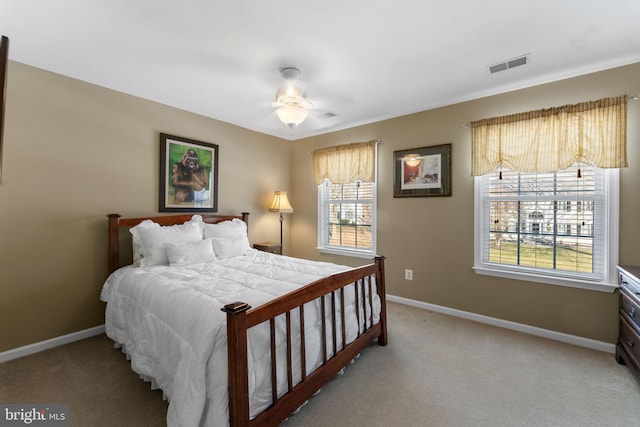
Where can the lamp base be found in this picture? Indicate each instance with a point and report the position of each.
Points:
(281, 220)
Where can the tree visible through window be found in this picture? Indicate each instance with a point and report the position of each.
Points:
(530, 222)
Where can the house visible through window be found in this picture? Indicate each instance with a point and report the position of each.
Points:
(528, 223)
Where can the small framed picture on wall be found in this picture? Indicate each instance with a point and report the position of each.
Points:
(422, 172)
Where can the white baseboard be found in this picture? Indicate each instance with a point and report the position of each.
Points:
(519, 327)
(50, 343)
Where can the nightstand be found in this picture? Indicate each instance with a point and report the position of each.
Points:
(271, 247)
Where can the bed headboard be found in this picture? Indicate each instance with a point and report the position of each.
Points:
(116, 223)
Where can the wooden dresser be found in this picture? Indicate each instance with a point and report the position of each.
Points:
(628, 346)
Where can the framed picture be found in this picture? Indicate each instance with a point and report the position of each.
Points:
(422, 172)
(4, 64)
(188, 175)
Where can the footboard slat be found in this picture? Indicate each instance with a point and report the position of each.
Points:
(303, 353)
(364, 304)
(324, 330)
(334, 327)
(357, 300)
(274, 361)
(289, 364)
(342, 319)
(370, 302)
(363, 280)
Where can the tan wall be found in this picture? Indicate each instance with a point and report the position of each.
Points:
(75, 152)
(434, 236)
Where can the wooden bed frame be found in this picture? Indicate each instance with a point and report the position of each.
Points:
(241, 317)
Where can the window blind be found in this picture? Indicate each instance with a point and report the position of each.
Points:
(546, 222)
(349, 215)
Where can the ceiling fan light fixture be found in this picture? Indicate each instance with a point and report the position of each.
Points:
(291, 95)
(291, 115)
(291, 100)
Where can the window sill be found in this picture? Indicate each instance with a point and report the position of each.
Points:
(346, 252)
(540, 278)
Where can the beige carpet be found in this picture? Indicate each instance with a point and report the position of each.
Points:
(436, 371)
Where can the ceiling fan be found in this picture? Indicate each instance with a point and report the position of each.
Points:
(291, 99)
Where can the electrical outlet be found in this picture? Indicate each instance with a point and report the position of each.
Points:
(408, 274)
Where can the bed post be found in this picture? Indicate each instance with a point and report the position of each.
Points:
(238, 365)
(114, 243)
(245, 218)
(382, 293)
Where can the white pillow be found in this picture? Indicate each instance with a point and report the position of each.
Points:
(234, 230)
(137, 245)
(229, 238)
(181, 254)
(226, 247)
(231, 228)
(138, 250)
(154, 241)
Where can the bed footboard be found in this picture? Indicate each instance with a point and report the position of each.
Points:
(240, 318)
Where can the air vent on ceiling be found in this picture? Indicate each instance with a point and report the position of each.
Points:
(509, 63)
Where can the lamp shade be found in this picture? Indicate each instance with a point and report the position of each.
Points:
(292, 115)
(280, 203)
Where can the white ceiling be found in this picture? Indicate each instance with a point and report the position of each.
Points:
(363, 60)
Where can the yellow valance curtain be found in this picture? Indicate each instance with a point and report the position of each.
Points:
(343, 164)
(593, 132)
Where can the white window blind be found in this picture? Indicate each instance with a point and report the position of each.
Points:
(553, 225)
(347, 217)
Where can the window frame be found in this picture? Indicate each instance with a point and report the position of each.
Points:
(323, 245)
(607, 283)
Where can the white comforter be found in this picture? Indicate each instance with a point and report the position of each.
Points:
(168, 321)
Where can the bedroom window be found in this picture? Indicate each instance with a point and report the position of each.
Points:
(546, 193)
(346, 218)
(345, 178)
(525, 229)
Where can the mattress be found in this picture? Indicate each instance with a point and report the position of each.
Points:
(169, 323)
